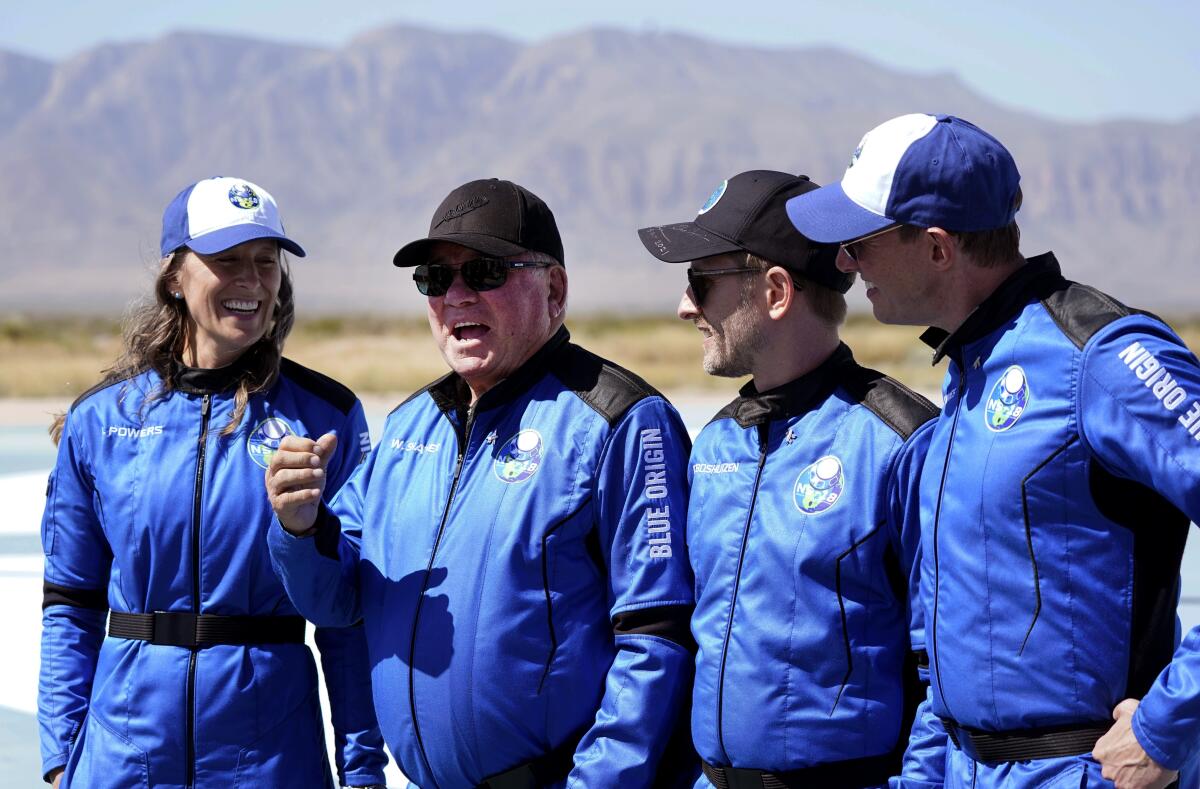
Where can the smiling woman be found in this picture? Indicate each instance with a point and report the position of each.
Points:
(155, 507)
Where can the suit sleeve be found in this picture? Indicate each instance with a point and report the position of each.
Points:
(320, 570)
(1139, 412)
(924, 763)
(75, 600)
(641, 519)
(358, 744)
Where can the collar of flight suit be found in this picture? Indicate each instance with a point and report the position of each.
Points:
(797, 396)
(453, 396)
(1039, 277)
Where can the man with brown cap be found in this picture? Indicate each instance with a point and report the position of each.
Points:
(514, 544)
(802, 527)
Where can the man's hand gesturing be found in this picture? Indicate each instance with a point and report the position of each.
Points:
(296, 480)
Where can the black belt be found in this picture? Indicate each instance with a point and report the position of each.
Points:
(995, 747)
(179, 629)
(547, 769)
(847, 774)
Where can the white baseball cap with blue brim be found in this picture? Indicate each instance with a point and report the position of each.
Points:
(921, 170)
(215, 214)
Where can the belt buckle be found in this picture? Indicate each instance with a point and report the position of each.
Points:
(177, 628)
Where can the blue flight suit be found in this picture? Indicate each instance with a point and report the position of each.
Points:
(1056, 496)
(150, 509)
(520, 568)
(803, 534)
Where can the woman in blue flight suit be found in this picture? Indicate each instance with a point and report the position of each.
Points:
(155, 510)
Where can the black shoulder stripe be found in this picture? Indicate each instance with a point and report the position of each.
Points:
(436, 390)
(728, 411)
(899, 407)
(102, 385)
(321, 385)
(609, 389)
(56, 594)
(672, 622)
(1081, 311)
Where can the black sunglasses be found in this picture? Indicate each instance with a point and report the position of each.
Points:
(698, 281)
(852, 248)
(479, 274)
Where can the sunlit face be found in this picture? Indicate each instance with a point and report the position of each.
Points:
(485, 336)
(729, 320)
(230, 298)
(896, 275)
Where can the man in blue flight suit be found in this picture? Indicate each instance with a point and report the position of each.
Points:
(802, 521)
(515, 544)
(1060, 479)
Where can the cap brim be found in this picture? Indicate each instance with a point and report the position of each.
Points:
(684, 242)
(828, 216)
(223, 239)
(417, 252)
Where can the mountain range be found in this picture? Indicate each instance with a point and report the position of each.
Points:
(614, 129)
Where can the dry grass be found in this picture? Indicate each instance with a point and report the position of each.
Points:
(62, 356)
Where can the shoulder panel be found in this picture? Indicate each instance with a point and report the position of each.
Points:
(728, 411)
(1081, 311)
(437, 390)
(106, 383)
(897, 406)
(609, 389)
(318, 384)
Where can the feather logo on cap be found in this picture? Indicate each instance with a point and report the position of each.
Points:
(465, 207)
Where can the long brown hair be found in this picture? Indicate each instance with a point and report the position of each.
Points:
(154, 334)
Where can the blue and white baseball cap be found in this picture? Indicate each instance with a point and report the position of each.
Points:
(215, 214)
(922, 170)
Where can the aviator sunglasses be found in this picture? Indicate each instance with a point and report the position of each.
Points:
(853, 251)
(699, 282)
(479, 274)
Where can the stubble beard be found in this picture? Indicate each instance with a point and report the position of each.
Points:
(737, 347)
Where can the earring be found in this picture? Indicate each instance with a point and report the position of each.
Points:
(177, 295)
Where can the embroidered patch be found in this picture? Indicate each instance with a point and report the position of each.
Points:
(713, 198)
(264, 440)
(520, 457)
(1008, 400)
(819, 485)
(242, 196)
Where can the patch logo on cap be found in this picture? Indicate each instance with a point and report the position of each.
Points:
(1008, 400)
(857, 152)
(264, 440)
(242, 196)
(714, 197)
(819, 486)
(520, 457)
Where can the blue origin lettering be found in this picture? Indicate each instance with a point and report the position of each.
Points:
(1153, 375)
(658, 519)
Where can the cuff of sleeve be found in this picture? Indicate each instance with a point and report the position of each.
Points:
(52, 763)
(1146, 740)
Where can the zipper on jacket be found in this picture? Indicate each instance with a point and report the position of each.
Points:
(464, 439)
(937, 519)
(763, 435)
(197, 501)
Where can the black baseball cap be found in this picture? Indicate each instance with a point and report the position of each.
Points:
(747, 213)
(490, 216)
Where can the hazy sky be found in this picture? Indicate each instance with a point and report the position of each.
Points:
(1062, 58)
